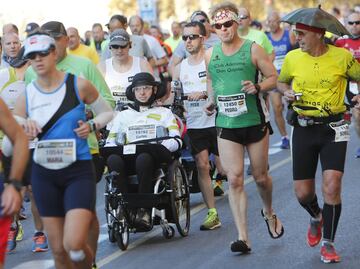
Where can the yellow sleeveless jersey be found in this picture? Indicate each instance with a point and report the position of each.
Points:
(321, 80)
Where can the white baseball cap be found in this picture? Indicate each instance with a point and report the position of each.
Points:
(38, 43)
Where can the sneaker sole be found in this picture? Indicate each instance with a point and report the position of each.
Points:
(329, 261)
(211, 228)
(39, 250)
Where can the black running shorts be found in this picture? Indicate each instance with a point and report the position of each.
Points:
(203, 139)
(310, 143)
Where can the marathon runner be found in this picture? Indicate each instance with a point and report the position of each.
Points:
(242, 119)
(62, 172)
(314, 79)
(191, 72)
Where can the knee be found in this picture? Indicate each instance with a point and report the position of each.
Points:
(236, 182)
(144, 160)
(203, 165)
(331, 190)
(261, 178)
(115, 163)
(59, 253)
(304, 196)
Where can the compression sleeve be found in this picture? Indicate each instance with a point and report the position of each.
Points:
(171, 124)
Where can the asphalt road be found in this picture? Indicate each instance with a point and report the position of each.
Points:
(210, 249)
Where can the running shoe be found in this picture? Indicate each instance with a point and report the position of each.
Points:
(218, 188)
(39, 242)
(22, 215)
(94, 266)
(314, 233)
(20, 233)
(328, 253)
(285, 143)
(357, 154)
(211, 221)
(11, 243)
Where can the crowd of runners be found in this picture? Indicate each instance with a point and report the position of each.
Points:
(61, 94)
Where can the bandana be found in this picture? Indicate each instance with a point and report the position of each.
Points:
(225, 15)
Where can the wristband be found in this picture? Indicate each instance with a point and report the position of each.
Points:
(92, 125)
(16, 184)
(257, 87)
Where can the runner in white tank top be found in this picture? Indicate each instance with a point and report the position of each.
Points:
(200, 128)
(119, 70)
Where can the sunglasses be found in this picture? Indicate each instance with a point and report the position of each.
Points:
(243, 17)
(116, 47)
(353, 22)
(42, 54)
(191, 37)
(227, 24)
(201, 20)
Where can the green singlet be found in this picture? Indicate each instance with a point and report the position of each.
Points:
(236, 108)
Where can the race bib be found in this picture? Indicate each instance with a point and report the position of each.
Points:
(120, 97)
(353, 87)
(342, 131)
(278, 62)
(140, 132)
(55, 154)
(195, 108)
(232, 105)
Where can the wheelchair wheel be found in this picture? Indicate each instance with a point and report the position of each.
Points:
(110, 220)
(180, 198)
(122, 234)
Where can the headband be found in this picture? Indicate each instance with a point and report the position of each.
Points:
(225, 14)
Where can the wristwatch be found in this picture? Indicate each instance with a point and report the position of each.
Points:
(92, 125)
(257, 87)
(16, 184)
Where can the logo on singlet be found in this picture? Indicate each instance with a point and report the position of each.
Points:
(202, 74)
(217, 57)
(130, 79)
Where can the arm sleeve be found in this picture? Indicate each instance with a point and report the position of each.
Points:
(103, 112)
(172, 144)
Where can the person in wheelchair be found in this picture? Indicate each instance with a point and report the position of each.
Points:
(142, 121)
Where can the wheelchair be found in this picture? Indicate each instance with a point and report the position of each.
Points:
(169, 203)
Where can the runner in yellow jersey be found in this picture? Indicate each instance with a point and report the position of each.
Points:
(314, 79)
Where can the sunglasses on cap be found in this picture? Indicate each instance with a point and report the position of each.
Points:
(226, 24)
(116, 47)
(191, 37)
(32, 55)
(353, 22)
(243, 17)
(201, 20)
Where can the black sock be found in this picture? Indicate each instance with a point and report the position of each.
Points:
(312, 207)
(331, 216)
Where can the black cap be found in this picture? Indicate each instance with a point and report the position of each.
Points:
(119, 37)
(54, 28)
(31, 26)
